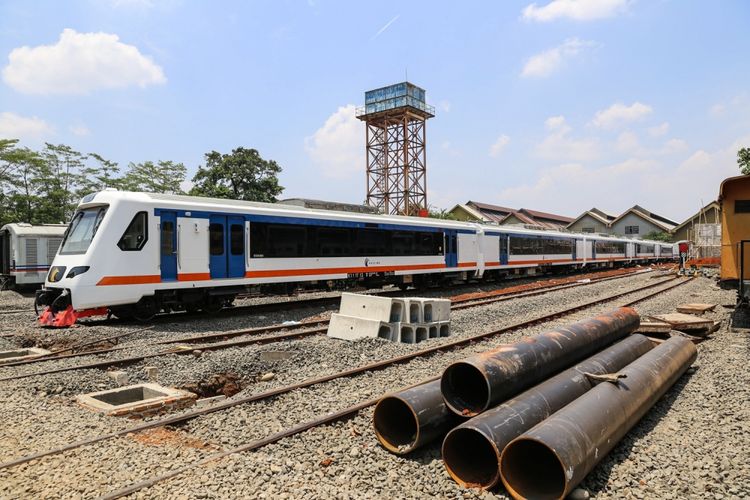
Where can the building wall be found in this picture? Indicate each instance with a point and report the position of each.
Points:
(590, 223)
(644, 226)
(512, 219)
(461, 214)
(711, 216)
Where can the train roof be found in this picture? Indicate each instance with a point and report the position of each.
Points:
(26, 229)
(199, 202)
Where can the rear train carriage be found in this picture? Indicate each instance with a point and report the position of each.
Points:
(734, 198)
(26, 253)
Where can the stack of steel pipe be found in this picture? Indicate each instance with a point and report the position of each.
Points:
(545, 418)
(409, 419)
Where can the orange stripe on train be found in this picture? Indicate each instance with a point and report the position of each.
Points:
(129, 280)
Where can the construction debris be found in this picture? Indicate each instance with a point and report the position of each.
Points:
(695, 308)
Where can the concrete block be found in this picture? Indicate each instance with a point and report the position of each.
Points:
(347, 327)
(407, 333)
(444, 329)
(372, 307)
(120, 377)
(434, 331)
(152, 373)
(421, 332)
(21, 354)
(138, 401)
(413, 310)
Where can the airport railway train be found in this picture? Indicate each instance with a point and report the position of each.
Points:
(26, 253)
(136, 254)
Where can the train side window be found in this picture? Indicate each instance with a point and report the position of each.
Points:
(742, 206)
(237, 239)
(136, 234)
(216, 239)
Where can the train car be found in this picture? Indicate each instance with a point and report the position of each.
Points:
(26, 253)
(135, 254)
(734, 199)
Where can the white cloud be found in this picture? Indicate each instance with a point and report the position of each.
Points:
(338, 146)
(627, 142)
(717, 110)
(499, 145)
(79, 63)
(578, 10)
(619, 113)
(385, 27)
(13, 126)
(555, 122)
(545, 63)
(674, 146)
(445, 105)
(559, 146)
(79, 129)
(659, 130)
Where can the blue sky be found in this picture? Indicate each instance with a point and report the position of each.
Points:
(556, 106)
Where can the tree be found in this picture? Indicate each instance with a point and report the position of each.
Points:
(441, 213)
(743, 160)
(241, 175)
(658, 236)
(160, 177)
(103, 174)
(59, 178)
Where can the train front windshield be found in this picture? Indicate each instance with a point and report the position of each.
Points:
(82, 230)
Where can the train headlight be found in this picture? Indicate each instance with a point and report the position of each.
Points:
(76, 271)
(56, 273)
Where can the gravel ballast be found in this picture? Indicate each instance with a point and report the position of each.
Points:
(659, 458)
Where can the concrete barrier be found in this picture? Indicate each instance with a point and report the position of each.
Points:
(409, 320)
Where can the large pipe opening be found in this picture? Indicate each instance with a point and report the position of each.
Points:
(471, 459)
(530, 469)
(465, 389)
(395, 425)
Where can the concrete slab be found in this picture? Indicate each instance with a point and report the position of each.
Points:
(680, 321)
(372, 307)
(347, 327)
(696, 308)
(647, 326)
(21, 354)
(137, 401)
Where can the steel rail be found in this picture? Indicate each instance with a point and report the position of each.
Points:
(259, 443)
(461, 304)
(326, 378)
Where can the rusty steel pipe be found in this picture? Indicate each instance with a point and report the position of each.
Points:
(471, 451)
(549, 460)
(477, 383)
(406, 420)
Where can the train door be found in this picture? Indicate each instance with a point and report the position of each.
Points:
(168, 235)
(226, 235)
(451, 248)
(5, 252)
(236, 255)
(503, 250)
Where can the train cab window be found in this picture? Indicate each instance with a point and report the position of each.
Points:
(136, 234)
(237, 239)
(82, 230)
(216, 239)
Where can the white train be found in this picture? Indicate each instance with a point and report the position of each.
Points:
(135, 254)
(26, 253)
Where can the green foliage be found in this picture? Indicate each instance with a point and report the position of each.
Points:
(160, 177)
(441, 213)
(743, 160)
(241, 175)
(658, 236)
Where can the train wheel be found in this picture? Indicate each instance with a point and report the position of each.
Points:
(213, 305)
(145, 309)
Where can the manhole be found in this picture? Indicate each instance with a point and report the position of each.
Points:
(141, 400)
(21, 354)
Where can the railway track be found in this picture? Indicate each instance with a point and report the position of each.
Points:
(379, 365)
(308, 329)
